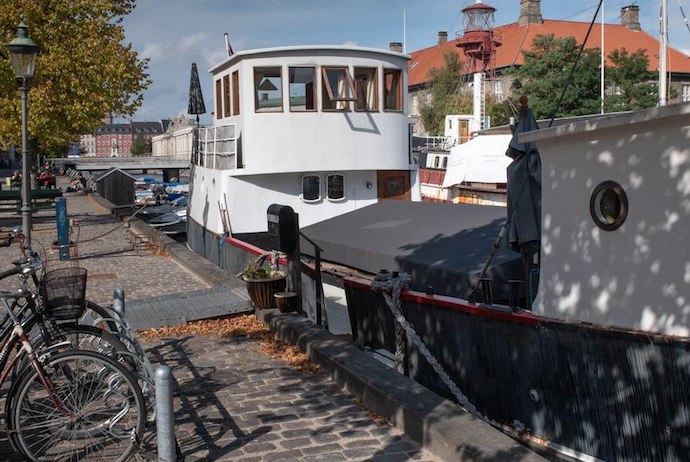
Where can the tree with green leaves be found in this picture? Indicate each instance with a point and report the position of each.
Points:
(140, 146)
(85, 70)
(545, 73)
(630, 80)
(445, 94)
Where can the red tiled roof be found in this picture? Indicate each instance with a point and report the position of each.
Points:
(515, 38)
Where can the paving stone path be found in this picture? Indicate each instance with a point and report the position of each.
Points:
(235, 403)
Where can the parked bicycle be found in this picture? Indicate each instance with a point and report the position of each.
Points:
(76, 392)
(71, 405)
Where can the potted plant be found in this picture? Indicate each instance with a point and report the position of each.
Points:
(263, 281)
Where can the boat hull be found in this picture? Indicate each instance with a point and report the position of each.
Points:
(610, 394)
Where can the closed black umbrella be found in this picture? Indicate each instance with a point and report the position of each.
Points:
(196, 99)
(524, 188)
(524, 200)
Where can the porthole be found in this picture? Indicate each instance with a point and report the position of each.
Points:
(609, 205)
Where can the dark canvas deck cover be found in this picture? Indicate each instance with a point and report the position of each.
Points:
(441, 245)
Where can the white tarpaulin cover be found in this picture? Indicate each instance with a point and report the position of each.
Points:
(481, 160)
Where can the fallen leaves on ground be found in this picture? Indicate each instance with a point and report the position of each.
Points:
(245, 325)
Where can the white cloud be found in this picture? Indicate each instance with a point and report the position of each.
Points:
(350, 43)
(194, 41)
(153, 51)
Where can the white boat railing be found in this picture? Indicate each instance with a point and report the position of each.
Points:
(217, 147)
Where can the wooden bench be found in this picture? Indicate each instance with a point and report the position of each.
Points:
(11, 200)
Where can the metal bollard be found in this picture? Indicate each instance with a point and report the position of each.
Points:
(119, 302)
(165, 416)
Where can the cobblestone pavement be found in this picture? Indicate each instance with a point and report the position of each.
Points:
(106, 251)
(232, 402)
(235, 403)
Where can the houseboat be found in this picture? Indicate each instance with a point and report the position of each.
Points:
(593, 363)
(322, 129)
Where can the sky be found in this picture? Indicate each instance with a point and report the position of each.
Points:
(173, 34)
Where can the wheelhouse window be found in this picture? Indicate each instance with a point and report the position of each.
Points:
(302, 89)
(219, 99)
(226, 96)
(366, 92)
(335, 186)
(268, 96)
(338, 90)
(392, 91)
(236, 93)
(311, 188)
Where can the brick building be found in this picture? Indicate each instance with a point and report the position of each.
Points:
(519, 36)
(115, 140)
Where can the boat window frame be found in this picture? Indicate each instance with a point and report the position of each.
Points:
(270, 109)
(375, 80)
(328, 94)
(399, 103)
(328, 187)
(226, 96)
(219, 99)
(236, 93)
(314, 91)
(616, 192)
(301, 194)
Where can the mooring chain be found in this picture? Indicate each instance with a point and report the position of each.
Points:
(391, 287)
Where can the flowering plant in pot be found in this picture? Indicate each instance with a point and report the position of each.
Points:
(263, 281)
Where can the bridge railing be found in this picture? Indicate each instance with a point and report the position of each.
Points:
(217, 147)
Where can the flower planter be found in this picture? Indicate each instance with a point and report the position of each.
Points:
(286, 301)
(261, 290)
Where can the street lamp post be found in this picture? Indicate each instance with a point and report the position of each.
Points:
(24, 52)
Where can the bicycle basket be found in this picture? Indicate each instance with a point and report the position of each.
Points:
(64, 293)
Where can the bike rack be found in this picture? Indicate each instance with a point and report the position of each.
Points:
(157, 385)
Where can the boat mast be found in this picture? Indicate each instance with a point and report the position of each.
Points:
(663, 53)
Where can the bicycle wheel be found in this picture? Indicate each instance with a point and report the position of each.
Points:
(94, 411)
(94, 312)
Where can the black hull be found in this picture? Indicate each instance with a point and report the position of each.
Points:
(611, 394)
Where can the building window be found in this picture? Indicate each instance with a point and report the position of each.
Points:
(338, 89)
(268, 95)
(686, 93)
(235, 93)
(219, 100)
(414, 105)
(335, 186)
(445, 162)
(436, 161)
(311, 188)
(226, 96)
(498, 89)
(392, 91)
(366, 89)
(302, 88)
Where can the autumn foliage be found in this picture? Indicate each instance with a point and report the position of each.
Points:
(86, 70)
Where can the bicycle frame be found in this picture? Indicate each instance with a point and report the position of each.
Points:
(18, 336)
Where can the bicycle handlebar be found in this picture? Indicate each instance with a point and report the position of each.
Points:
(10, 272)
(31, 263)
